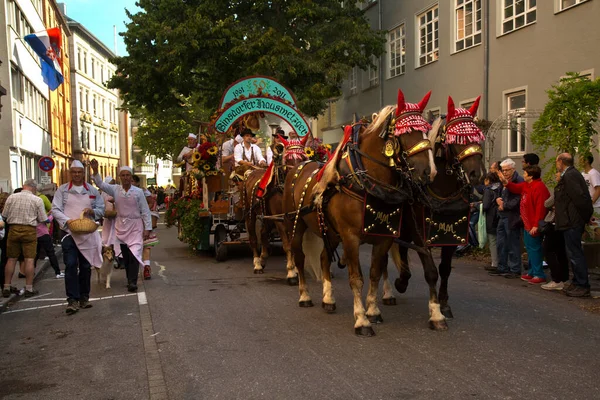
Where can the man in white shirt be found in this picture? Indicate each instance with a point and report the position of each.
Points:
(592, 179)
(227, 156)
(186, 152)
(248, 154)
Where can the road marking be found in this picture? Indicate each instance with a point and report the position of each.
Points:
(161, 272)
(63, 304)
(37, 298)
(142, 298)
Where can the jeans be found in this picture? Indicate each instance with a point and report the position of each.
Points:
(493, 249)
(45, 242)
(575, 254)
(533, 244)
(132, 265)
(473, 228)
(509, 248)
(78, 272)
(556, 256)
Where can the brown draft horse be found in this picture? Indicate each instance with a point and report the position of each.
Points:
(339, 210)
(271, 204)
(460, 165)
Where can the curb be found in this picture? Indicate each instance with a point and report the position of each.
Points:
(4, 302)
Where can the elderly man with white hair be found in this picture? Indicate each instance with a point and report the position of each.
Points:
(133, 223)
(508, 238)
(81, 251)
(22, 211)
(187, 151)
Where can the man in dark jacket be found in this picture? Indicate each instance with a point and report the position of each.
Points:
(573, 206)
(509, 226)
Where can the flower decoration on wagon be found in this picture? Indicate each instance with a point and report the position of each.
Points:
(317, 151)
(205, 159)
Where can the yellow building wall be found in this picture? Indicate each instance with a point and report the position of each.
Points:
(60, 101)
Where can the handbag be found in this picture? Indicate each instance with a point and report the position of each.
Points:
(481, 228)
(545, 227)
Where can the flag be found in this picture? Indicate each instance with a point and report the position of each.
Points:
(47, 45)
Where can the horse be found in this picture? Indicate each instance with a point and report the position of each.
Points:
(380, 161)
(459, 160)
(270, 204)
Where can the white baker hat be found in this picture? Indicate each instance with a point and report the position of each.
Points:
(76, 164)
(192, 136)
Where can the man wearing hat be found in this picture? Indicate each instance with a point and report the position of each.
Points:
(248, 154)
(22, 211)
(81, 251)
(186, 152)
(133, 223)
(276, 148)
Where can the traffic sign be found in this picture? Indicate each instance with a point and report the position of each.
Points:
(46, 180)
(46, 164)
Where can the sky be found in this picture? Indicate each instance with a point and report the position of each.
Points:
(99, 16)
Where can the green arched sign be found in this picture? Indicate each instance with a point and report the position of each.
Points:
(259, 94)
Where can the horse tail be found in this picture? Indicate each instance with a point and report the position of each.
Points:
(312, 246)
(395, 252)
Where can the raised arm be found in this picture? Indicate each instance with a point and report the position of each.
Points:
(105, 187)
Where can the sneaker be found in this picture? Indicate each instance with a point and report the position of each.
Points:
(496, 273)
(536, 280)
(85, 304)
(569, 286)
(60, 276)
(553, 285)
(511, 275)
(6, 292)
(30, 293)
(72, 307)
(578, 291)
(526, 277)
(147, 272)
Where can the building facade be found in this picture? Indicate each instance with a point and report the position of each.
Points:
(95, 122)
(508, 51)
(60, 105)
(24, 127)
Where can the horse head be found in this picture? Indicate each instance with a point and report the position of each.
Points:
(408, 141)
(294, 151)
(457, 143)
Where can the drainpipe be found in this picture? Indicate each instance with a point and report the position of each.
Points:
(486, 63)
(381, 62)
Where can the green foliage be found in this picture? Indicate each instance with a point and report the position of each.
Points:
(567, 123)
(185, 54)
(191, 216)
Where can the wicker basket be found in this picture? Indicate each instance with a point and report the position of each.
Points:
(82, 225)
(110, 213)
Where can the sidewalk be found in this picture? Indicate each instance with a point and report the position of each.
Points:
(39, 272)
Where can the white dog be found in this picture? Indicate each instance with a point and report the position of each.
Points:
(104, 272)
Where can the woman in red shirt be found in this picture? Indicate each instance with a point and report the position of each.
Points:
(533, 195)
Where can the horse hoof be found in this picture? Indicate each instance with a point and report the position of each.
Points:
(375, 319)
(401, 285)
(365, 331)
(438, 325)
(292, 281)
(328, 307)
(306, 303)
(389, 302)
(259, 271)
(447, 312)
(341, 266)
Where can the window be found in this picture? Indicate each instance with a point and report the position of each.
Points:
(515, 106)
(94, 105)
(101, 74)
(85, 62)
(17, 87)
(374, 72)
(428, 50)
(87, 100)
(93, 69)
(81, 101)
(564, 4)
(352, 80)
(468, 24)
(517, 13)
(397, 50)
(79, 59)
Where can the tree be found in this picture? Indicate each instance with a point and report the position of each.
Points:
(185, 54)
(567, 122)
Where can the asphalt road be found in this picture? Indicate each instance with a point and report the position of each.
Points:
(221, 332)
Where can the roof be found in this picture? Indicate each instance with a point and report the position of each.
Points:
(90, 38)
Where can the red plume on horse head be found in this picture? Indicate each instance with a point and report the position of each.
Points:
(401, 103)
(451, 109)
(474, 107)
(285, 142)
(423, 103)
(460, 127)
(409, 115)
(304, 140)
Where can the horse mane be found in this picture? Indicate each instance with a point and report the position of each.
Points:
(379, 119)
(435, 129)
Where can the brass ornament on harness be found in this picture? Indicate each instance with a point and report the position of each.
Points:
(421, 146)
(389, 150)
(471, 150)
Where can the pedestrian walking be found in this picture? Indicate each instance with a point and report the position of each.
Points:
(22, 211)
(44, 243)
(491, 192)
(152, 238)
(573, 206)
(133, 223)
(81, 251)
(3, 257)
(509, 226)
(533, 194)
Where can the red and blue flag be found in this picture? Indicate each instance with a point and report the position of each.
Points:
(47, 45)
